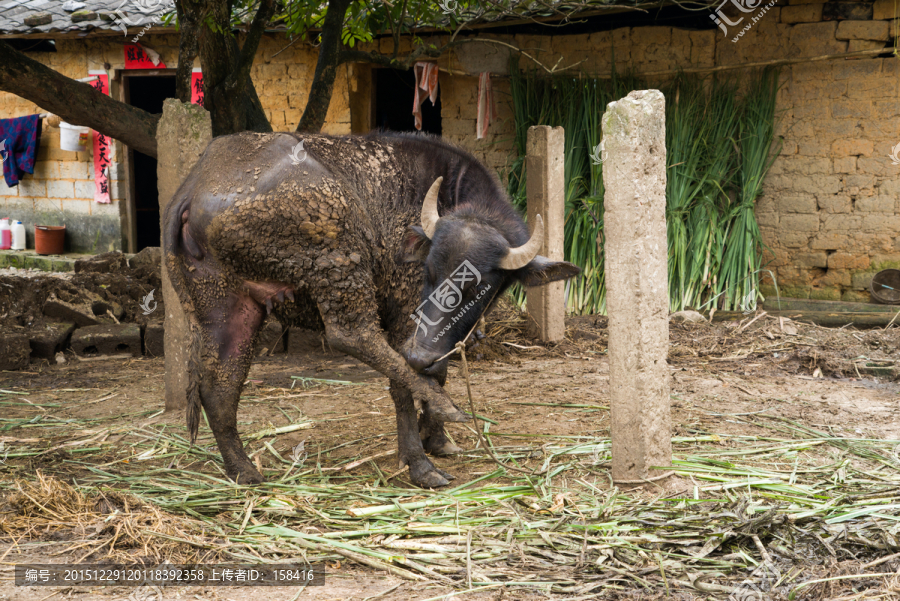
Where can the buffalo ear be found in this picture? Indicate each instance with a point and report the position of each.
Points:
(416, 245)
(541, 271)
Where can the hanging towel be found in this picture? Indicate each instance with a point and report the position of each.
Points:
(426, 79)
(486, 108)
(20, 138)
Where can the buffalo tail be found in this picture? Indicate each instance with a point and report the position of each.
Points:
(173, 253)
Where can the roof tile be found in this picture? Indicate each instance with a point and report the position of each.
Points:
(14, 12)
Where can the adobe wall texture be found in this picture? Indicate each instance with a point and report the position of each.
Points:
(61, 191)
(62, 188)
(830, 209)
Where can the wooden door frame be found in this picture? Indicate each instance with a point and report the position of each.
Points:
(362, 97)
(129, 225)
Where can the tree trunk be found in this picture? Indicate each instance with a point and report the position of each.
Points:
(326, 68)
(77, 103)
(188, 47)
(229, 94)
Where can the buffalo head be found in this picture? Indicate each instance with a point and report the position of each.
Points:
(468, 263)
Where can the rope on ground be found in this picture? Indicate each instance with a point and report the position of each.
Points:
(461, 347)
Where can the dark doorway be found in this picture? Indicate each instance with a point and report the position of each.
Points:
(147, 93)
(395, 92)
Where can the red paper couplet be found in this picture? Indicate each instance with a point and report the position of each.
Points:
(102, 157)
(197, 87)
(136, 58)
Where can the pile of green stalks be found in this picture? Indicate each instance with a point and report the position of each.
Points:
(719, 145)
(791, 512)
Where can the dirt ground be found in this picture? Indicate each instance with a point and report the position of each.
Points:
(726, 378)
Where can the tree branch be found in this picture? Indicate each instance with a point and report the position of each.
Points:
(77, 103)
(395, 31)
(251, 44)
(230, 99)
(326, 68)
(188, 47)
(376, 58)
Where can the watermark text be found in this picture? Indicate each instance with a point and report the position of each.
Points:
(447, 297)
(298, 154)
(126, 19)
(744, 6)
(145, 305)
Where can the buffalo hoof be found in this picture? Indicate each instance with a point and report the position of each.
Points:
(446, 475)
(447, 448)
(450, 414)
(247, 476)
(423, 473)
(433, 478)
(441, 406)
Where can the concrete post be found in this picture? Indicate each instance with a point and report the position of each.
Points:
(634, 173)
(545, 187)
(184, 132)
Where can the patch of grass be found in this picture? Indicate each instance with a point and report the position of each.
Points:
(747, 508)
(719, 147)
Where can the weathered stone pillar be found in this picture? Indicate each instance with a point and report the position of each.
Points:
(184, 132)
(634, 225)
(545, 187)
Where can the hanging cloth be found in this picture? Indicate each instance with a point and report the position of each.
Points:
(19, 138)
(486, 108)
(426, 79)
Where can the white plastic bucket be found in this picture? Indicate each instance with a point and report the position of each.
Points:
(73, 137)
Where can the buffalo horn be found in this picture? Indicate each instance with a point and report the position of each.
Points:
(429, 208)
(519, 257)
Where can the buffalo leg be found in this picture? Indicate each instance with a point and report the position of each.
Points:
(431, 429)
(421, 470)
(226, 339)
(434, 438)
(369, 346)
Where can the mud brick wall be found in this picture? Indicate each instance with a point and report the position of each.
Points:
(61, 191)
(830, 208)
(283, 74)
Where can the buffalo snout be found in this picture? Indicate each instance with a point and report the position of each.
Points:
(423, 360)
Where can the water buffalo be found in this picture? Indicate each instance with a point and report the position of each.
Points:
(345, 235)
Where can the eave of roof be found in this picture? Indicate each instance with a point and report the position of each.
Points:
(54, 18)
(119, 17)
